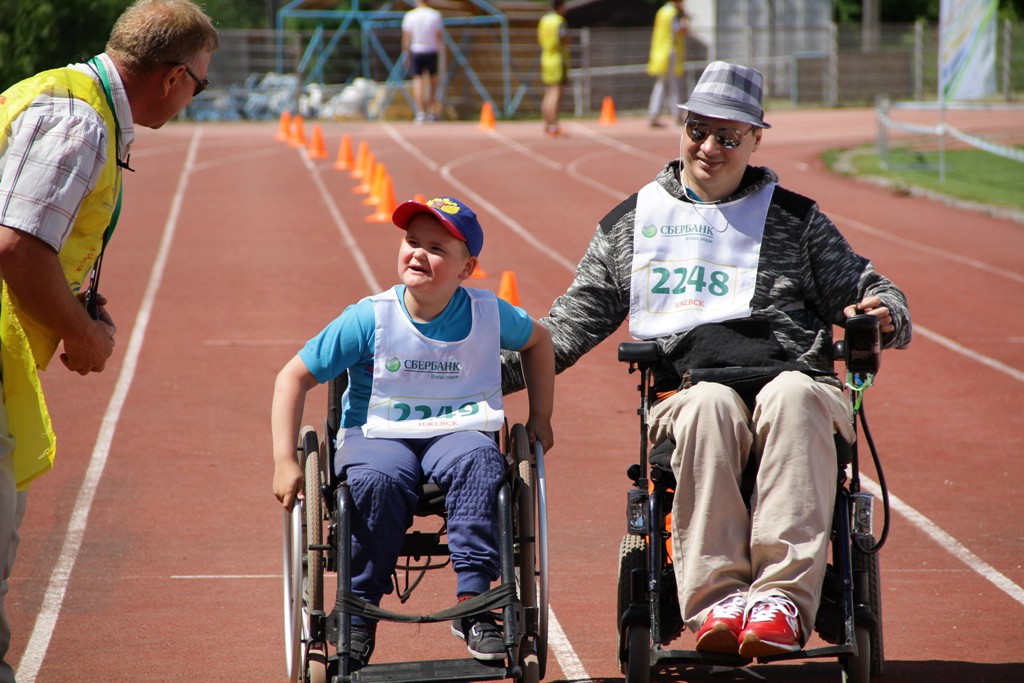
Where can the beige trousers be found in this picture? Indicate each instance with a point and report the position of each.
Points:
(781, 546)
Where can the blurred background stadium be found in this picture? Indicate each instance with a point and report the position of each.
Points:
(334, 59)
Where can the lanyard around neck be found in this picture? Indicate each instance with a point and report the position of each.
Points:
(90, 295)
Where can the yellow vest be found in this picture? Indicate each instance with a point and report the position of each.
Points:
(554, 55)
(27, 346)
(663, 41)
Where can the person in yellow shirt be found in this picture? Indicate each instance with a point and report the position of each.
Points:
(56, 218)
(552, 34)
(665, 64)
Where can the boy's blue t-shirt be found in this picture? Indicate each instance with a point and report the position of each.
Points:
(347, 343)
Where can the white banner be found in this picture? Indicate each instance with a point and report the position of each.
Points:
(967, 49)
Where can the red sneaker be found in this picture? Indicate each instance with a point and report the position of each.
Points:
(773, 627)
(721, 629)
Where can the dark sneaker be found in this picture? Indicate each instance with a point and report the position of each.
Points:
(363, 639)
(483, 636)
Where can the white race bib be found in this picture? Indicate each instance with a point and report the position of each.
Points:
(423, 387)
(693, 263)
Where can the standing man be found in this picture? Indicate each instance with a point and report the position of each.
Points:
(65, 135)
(722, 267)
(553, 36)
(421, 44)
(667, 58)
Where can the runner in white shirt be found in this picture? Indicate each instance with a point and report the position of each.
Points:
(421, 45)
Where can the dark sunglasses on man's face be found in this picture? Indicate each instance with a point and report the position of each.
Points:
(730, 138)
(201, 83)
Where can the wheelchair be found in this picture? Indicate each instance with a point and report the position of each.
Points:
(317, 538)
(849, 616)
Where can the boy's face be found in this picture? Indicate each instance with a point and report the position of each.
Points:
(431, 258)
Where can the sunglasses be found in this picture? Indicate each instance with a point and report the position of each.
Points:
(201, 83)
(730, 138)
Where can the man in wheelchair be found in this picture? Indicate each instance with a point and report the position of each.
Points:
(424, 387)
(739, 282)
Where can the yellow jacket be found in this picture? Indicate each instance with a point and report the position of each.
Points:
(663, 41)
(554, 54)
(27, 346)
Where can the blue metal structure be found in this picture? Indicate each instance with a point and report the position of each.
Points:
(368, 21)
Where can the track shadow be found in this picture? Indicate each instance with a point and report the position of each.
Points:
(934, 671)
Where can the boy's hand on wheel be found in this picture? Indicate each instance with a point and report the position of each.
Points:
(288, 481)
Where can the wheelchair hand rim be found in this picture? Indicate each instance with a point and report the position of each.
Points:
(292, 584)
(542, 555)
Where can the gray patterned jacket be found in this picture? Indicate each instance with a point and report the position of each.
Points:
(807, 275)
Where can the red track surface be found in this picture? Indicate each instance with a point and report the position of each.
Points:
(177, 573)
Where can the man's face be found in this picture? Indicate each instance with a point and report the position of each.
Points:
(178, 86)
(712, 167)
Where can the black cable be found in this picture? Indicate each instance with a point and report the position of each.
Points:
(881, 484)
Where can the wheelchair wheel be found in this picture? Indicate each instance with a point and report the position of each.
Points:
(314, 652)
(634, 662)
(531, 543)
(869, 563)
(638, 659)
(303, 570)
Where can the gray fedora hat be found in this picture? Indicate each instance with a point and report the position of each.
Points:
(729, 91)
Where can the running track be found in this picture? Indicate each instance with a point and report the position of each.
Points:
(152, 552)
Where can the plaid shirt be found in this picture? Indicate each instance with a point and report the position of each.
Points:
(51, 157)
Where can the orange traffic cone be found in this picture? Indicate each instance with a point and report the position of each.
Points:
(344, 162)
(366, 181)
(507, 289)
(298, 138)
(316, 149)
(420, 198)
(478, 272)
(607, 111)
(387, 204)
(357, 170)
(486, 117)
(377, 186)
(284, 128)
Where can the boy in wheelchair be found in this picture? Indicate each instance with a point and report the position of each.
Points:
(424, 388)
(724, 269)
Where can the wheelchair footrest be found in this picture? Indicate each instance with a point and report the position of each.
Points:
(436, 671)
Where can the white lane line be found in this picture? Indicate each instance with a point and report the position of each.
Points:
(558, 642)
(949, 544)
(969, 353)
(573, 170)
(511, 223)
(254, 342)
(219, 577)
(928, 249)
(525, 151)
(346, 234)
(53, 599)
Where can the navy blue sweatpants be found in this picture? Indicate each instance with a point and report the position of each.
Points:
(383, 475)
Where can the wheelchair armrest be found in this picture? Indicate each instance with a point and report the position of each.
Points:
(639, 352)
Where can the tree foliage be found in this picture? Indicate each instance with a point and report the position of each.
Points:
(905, 11)
(36, 35)
(44, 34)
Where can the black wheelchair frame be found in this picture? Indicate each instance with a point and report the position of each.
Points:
(849, 615)
(521, 595)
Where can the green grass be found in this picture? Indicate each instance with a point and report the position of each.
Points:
(971, 175)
